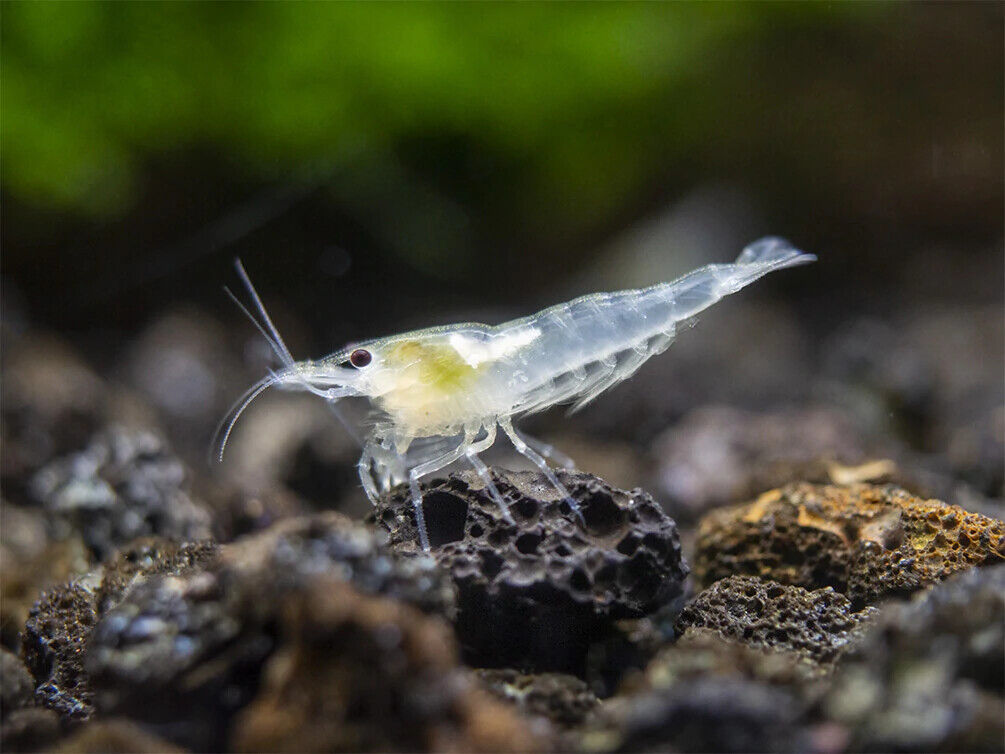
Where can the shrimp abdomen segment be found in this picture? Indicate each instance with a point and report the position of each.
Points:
(587, 345)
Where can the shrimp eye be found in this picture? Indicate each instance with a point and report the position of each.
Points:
(360, 358)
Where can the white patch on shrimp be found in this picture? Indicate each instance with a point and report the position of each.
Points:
(477, 351)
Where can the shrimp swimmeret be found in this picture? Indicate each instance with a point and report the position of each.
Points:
(438, 395)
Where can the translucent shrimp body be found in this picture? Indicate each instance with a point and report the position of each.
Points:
(439, 395)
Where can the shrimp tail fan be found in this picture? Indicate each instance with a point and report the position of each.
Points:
(761, 257)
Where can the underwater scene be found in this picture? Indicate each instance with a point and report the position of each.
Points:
(502, 377)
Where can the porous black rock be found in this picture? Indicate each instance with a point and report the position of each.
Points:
(929, 675)
(60, 624)
(54, 639)
(125, 484)
(293, 551)
(817, 624)
(533, 593)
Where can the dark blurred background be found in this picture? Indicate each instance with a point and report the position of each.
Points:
(379, 167)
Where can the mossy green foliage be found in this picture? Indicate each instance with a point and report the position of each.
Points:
(581, 101)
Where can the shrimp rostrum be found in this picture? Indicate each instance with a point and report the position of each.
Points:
(441, 395)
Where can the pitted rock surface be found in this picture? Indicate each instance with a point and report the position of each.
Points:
(60, 624)
(867, 541)
(144, 558)
(126, 484)
(818, 624)
(54, 640)
(533, 593)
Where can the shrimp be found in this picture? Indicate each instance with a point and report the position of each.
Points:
(440, 395)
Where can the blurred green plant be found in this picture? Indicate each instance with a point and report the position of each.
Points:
(579, 101)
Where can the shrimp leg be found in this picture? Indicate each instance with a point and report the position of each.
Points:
(550, 452)
(483, 471)
(527, 452)
(365, 468)
(429, 467)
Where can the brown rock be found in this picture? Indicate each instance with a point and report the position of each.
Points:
(721, 455)
(867, 541)
(361, 673)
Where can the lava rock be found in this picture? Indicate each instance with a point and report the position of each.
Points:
(361, 673)
(175, 655)
(184, 653)
(535, 592)
(818, 625)
(54, 640)
(60, 624)
(627, 646)
(930, 674)
(125, 484)
(869, 542)
(146, 557)
(707, 693)
(562, 699)
(293, 551)
(16, 686)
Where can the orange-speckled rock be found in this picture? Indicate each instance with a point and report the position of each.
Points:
(865, 540)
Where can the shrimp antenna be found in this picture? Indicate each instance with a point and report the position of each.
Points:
(281, 352)
(275, 341)
(226, 425)
(268, 329)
